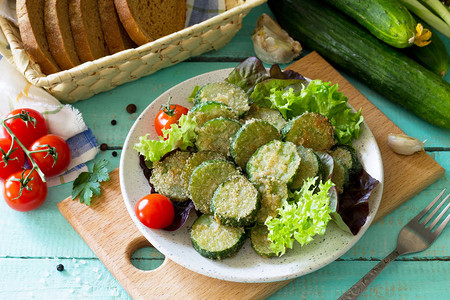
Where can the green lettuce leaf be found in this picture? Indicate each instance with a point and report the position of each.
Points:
(191, 97)
(305, 215)
(323, 98)
(261, 93)
(177, 136)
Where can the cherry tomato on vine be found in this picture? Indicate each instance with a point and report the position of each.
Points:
(168, 115)
(33, 195)
(155, 211)
(15, 160)
(26, 132)
(45, 160)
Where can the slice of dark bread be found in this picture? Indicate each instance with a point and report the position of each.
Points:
(148, 20)
(30, 15)
(59, 34)
(87, 29)
(116, 37)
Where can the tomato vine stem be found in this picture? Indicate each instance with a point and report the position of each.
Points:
(26, 118)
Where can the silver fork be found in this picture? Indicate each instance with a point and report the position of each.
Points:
(414, 237)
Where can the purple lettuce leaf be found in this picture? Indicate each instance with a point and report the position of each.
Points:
(248, 73)
(147, 172)
(251, 72)
(182, 210)
(354, 201)
(334, 206)
(276, 72)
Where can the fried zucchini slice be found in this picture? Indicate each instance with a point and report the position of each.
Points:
(206, 111)
(226, 93)
(215, 241)
(206, 178)
(273, 116)
(249, 138)
(347, 155)
(276, 159)
(166, 176)
(310, 166)
(310, 130)
(194, 161)
(216, 134)
(236, 202)
(273, 194)
(260, 242)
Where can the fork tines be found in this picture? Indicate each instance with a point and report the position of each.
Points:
(430, 216)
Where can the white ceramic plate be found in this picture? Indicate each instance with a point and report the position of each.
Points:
(246, 266)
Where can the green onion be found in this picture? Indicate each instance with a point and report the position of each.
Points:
(439, 8)
(421, 11)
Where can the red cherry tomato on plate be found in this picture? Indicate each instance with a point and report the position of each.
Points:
(26, 132)
(16, 159)
(155, 211)
(33, 195)
(45, 161)
(168, 115)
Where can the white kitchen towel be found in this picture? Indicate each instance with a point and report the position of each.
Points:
(62, 120)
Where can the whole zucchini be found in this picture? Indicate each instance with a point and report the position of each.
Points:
(356, 51)
(388, 20)
(434, 56)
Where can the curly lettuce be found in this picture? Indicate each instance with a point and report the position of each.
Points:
(305, 215)
(321, 97)
(177, 136)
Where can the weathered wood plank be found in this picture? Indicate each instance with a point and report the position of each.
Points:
(398, 281)
(88, 278)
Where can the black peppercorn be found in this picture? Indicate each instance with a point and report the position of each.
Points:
(104, 147)
(113, 122)
(131, 108)
(114, 153)
(60, 268)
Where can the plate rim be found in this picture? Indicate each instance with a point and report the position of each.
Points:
(209, 273)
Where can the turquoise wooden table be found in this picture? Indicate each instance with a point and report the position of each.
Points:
(33, 244)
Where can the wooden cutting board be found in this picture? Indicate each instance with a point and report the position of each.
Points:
(107, 228)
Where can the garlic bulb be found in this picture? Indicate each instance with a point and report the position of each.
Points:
(403, 144)
(272, 44)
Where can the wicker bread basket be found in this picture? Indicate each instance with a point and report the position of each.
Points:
(103, 74)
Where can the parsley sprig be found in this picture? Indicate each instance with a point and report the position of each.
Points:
(87, 184)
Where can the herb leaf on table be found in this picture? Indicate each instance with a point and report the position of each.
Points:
(87, 184)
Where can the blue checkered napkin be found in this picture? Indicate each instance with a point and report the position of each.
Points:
(83, 148)
(201, 10)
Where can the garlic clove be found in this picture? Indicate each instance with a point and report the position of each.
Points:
(403, 144)
(272, 44)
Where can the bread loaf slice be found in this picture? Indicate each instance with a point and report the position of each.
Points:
(87, 29)
(59, 34)
(116, 37)
(148, 20)
(30, 15)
